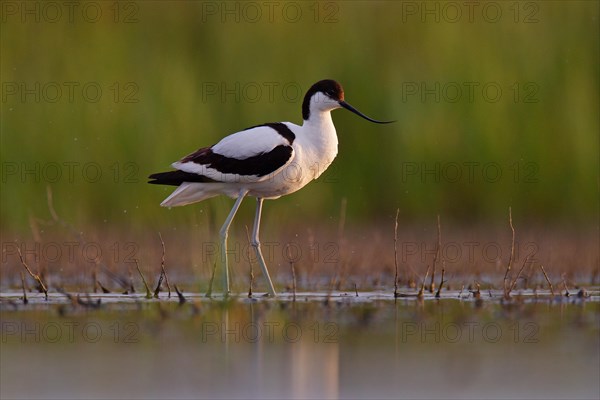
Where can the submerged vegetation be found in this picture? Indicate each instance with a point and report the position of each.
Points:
(74, 196)
(400, 264)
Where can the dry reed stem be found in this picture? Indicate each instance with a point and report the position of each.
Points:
(309, 269)
(163, 272)
(69, 297)
(333, 280)
(89, 303)
(95, 278)
(104, 290)
(35, 229)
(25, 301)
(442, 281)
(477, 293)
(564, 282)
(37, 237)
(157, 289)
(289, 254)
(249, 263)
(396, 294)
(179, 295)
(148, 292)
(34, 276)
(131, 287)
(66, 294)
(436, 256)
(78, 301)
(49, 200)
(527, 277)
(162, 266)
(547, 280)
(420, 294)
(514, 282)
(512, 253)
(212, 279)
(396, 254)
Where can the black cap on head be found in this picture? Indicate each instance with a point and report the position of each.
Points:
(334, 91)
(328, 87)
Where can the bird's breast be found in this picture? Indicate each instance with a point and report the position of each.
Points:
(316, 151)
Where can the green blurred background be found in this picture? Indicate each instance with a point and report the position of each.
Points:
(176, 76)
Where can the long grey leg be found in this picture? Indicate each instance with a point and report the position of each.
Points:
(224, 234)
(256, 244)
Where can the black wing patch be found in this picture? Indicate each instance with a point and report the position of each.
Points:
(176, 178)
(258, 165)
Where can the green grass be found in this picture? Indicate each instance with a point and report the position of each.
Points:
(175, 52)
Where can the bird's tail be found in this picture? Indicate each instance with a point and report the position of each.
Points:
(188, 193)
(192, 187)
(176, 178)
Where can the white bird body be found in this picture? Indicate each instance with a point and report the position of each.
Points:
(266, 161)
(313, 150)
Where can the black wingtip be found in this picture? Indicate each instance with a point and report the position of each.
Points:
(176, 178)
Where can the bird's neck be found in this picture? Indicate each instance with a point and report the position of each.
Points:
(320, 120)
(320, 135)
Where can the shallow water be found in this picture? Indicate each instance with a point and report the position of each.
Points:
(321, 346)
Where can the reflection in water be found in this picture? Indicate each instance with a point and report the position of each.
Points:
(270, 349)
(315, 370)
